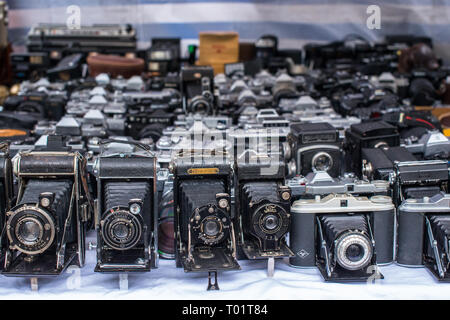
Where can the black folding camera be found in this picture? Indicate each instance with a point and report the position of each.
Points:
(6, 192)
(344, 236)
(46, 228)
(125, 218)
(374, 134)
(314, 147)
(205, 235)
(262, 206)
(197, 88)
(423, 234)
(416, 179)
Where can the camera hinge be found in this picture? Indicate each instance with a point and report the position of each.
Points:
(434, 247)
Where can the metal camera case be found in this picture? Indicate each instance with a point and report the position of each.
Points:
(137, 169)
(307, 234)
(310, 141)
(189, 253)
(47, 165)
(423, 234)
(255, 242)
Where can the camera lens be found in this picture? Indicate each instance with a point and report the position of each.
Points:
(322, 161)
(270, 222)
(120, 231)
(353, 250)
(29, 231)
(212, 228)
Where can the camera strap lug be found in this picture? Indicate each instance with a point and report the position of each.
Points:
(433, 244)
(212, 285)
(270, 267)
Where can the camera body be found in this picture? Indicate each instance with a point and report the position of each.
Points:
(378, 163)
(126, 217)
(163, 56)
(6, 192)
(431, 145)
(416, 179)
(205, 234)
(262, 206)
(343, 235)
(49, 105)
(374, 134)
(46, 228)
(423, 234)
(314, 147)
(197, 88)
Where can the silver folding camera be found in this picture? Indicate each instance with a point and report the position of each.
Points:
(343, 235)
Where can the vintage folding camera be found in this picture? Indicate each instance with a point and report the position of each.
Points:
(126, 219)
(6, 192)
(343, 235)
(375, 134)
(423, 234)
(46, 228)
(197, 88)
(416, 179)
(262, 206)
(205, 233)
(314, 147)
(163, 56)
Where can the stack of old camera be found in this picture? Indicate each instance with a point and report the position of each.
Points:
(332, 156)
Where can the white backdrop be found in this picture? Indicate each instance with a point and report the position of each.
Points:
(252, 283)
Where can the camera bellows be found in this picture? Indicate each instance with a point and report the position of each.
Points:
(120, 193)
(348, 237)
